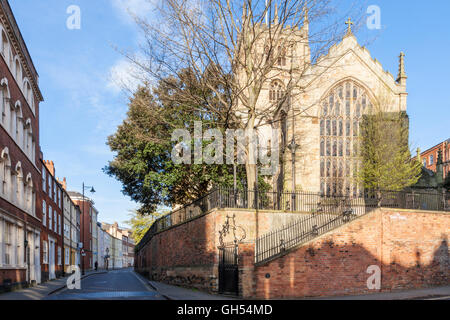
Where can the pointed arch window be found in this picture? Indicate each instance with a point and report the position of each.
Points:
(18, 186)
(281, 61)
(341, 112)
(5, 174)
(5, 105)
(276, 91)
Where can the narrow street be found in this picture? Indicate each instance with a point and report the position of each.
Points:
(112, 285)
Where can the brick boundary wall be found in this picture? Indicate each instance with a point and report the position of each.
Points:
(410, 248)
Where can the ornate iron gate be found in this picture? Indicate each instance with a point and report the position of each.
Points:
(228, 270)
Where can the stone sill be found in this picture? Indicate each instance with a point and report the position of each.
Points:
(12, 268)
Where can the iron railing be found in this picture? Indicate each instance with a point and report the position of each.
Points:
(275, 243)
(305, 202)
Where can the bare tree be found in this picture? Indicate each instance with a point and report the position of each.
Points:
(245, 45)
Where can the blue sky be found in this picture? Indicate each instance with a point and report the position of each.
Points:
(83, 104)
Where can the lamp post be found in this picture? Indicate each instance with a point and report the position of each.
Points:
(293, 147)
(107, 258)
(27, 257)
(82, 226)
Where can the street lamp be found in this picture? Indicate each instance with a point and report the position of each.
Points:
(107, 258)
(27, 257)
(293, 148)
(82, 226)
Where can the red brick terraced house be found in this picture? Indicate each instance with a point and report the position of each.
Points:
(430, 157)
(52, 222)
(20, 168)
(87, 229)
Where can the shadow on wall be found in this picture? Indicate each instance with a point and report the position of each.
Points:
(343, 269)
(184, 255)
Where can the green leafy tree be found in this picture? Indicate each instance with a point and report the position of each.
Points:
(143, 145)
(386, 163)
(141, 223)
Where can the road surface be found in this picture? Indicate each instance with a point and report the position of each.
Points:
(113, 285)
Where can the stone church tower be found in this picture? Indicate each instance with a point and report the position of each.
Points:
(320, 119)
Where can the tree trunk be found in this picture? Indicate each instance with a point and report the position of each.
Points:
(379, 198)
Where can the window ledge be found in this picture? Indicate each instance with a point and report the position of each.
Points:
(13, 267)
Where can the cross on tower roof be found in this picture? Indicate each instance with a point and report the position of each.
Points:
(349, 23)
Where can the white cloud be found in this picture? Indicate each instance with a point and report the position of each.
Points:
(124, 75)
(128, 8)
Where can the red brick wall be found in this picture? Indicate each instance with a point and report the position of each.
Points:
(183, 255)
(411, 249)
(188, 254)
(16, 155)
(85, 231)
(445, 149)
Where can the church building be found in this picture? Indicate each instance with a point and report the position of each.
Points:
(320, 105)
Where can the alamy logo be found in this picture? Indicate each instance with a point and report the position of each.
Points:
(251, 147)
(74, 281)
(374, 281)
(374, 18)
(73, 22)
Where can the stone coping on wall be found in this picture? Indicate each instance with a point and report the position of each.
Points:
(415, 211)
(382, 209)
(287, 212)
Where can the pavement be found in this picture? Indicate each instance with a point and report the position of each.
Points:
(126, 284)
(42, 290)
(436, 293)
(120, 284)
(171, 292)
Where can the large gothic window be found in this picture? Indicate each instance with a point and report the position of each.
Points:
(341, 115)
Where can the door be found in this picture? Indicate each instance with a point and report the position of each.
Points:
(228, 270)
(51, 261)
(30, 258)
(37, 258)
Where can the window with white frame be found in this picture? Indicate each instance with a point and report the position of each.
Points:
(8, 236)
(66, 256)
(431, 160)
(49, 185)
(6, 183)
(66, 230)
(55, 226)
(5, 108)
(45, 252)
(43, 181)
(59, 256)
(18, 70)
(29, 195)
(50, 225)
(44, 213)
(19, 242)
